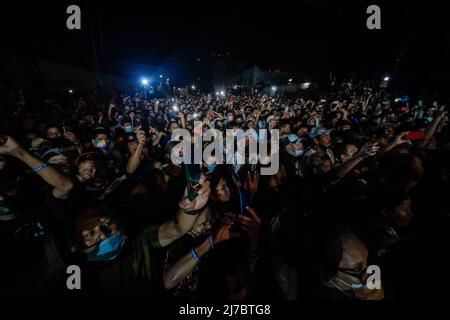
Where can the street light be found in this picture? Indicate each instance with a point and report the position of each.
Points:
(145, 82)
(222, 93)
(386, 78)
(193, 87)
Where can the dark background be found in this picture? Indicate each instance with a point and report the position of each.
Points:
(301, 36)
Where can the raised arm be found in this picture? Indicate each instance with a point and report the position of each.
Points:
(135, 159)
(365, 152)
(186, 217)
(62, 185)
(431, 129)
(397, 141)
(182, 268)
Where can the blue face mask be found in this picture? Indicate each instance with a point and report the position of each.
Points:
(298, 152)
(101, 144)
(128, 129)
(108, 249)
(353, 285)
(211, 168)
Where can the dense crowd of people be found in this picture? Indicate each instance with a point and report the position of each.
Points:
(363, 180)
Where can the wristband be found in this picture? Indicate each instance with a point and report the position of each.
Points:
(40, 167)
(211, 242)
(195, 255)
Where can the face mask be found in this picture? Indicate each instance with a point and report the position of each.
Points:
(353, 286)
(101, 144)
(108, 249)
(211, 167)
(230, 118)
(297, 152)
(128, 129)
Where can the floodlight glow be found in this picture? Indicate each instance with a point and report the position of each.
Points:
(386, 78)
(222, 93)
(70, 91)
(290, 80)
(305, 85)
(160, 75)
(144, 81)
(193, 87)
(274, 88)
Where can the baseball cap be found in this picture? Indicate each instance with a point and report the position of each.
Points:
(270, 118)
(317, 132)
(293, 138)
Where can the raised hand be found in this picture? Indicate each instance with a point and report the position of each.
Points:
(368, 150)
(400, 138)
(224, 233)
(253, 181)
(200, 201)
(9, 146)
(141, 136)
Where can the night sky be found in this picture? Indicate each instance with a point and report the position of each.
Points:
(288, 35)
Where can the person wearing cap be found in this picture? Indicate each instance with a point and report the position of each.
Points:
(122, 263)
(321, 143)
(272, 122)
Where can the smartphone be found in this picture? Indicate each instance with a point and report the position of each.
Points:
(64, 129)
(415, 135)
(244, 199)
(193, 172)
